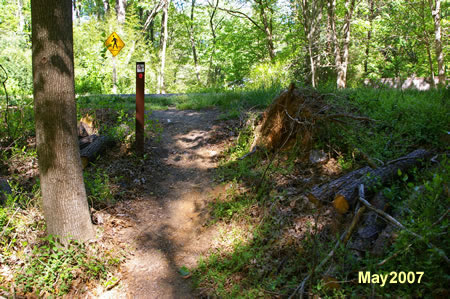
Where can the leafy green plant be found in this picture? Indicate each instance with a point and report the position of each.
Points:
(99, 188)
(52, 268)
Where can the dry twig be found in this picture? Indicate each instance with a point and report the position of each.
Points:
(301, 287)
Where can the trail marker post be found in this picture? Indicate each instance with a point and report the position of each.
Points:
(140, 108)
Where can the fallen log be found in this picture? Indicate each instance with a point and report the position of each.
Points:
(327, 191)
(85, 141)
(5, 189)
(401, 226)
(347, 186)
(94, 149)
(85, 126)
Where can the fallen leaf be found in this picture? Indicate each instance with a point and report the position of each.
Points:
(340, 204)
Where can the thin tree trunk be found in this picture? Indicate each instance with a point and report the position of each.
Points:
(120, 10)
(152, 31)
(163, 46)
(20, 16)
(337, 48)
(430, 62)
(369, 35)
(130, 53)
(64, 200)
(114, 75)
(435, 12)
(106, 7)
(312, 15)
(329, 34)
(192, 38)
(427, 44)
(267, 30)
(76, 9)
(152, 15)
(342, 67)
(211, 75)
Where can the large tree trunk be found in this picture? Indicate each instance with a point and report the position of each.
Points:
(163, 46)
(65, 205)
(120, 10)
(436, 13)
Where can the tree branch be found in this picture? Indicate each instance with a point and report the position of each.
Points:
(240, 14)
(398, 224)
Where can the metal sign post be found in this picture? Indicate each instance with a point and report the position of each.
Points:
(140, 108)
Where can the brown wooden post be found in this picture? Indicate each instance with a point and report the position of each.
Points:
(140, 108)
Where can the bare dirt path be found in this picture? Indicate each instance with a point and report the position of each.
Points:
(167, 228)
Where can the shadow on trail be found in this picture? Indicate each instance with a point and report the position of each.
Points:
(168, 219)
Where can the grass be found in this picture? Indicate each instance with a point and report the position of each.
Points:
(231, 102)
(260, 256)
(274, 260)
(404, 119)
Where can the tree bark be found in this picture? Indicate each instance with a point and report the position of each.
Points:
(436, 14)
(94, 148)
(20, 16)
(76, 9)
(347, 185)
(267, 29)
(212, 73)
(152, 31)
(343, 66)
(163, 46)
(427, 45)
(120, 10)
(152, 15)
(114, 75)
(312, 15)
(369, 35)
(337, 48)
(85, 141)
(106, 7)
(65, 205)
(192, 38)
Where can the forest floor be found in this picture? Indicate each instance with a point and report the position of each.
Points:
(201, 215)
(163, 228)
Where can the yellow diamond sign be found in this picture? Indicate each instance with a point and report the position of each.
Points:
(114, 44)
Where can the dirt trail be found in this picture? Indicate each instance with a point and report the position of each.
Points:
(167, 230)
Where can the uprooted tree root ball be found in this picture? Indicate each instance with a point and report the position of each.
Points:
(296, 116)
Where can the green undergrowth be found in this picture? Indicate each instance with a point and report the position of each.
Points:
(230, 101)
(124, 103)
(35, 265)
(402, 120)
(53, 269)
(272, 258)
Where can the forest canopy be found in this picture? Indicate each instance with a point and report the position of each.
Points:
(236, 43)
